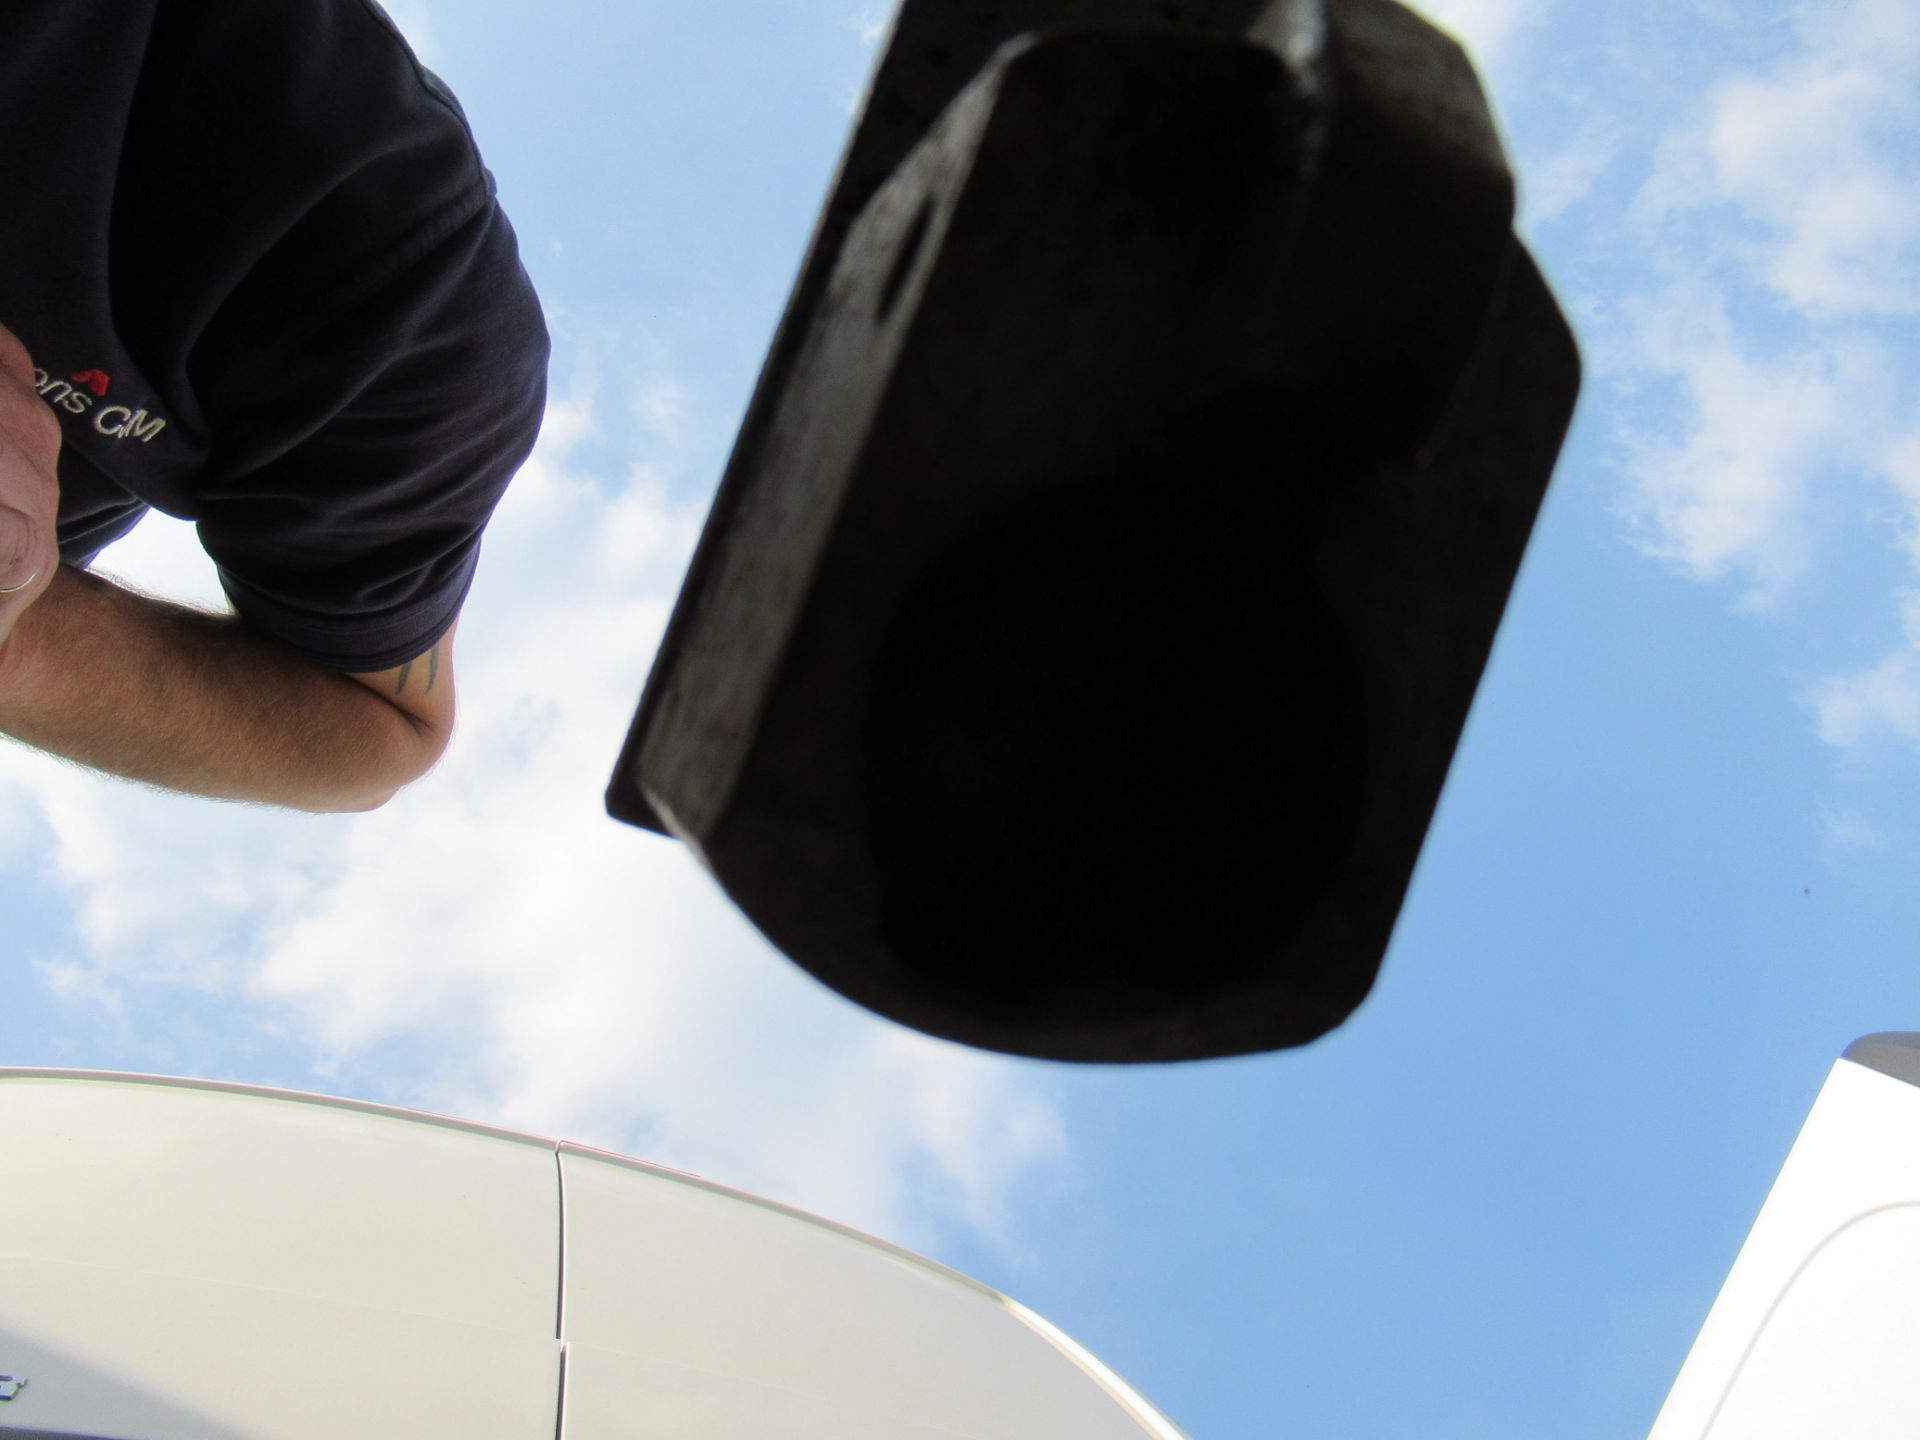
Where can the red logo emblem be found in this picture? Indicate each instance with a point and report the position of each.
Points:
(95, 380)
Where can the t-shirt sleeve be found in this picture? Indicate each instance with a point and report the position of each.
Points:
(364, 453)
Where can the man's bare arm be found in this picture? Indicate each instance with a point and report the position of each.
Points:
(194, 702)
(174, 697)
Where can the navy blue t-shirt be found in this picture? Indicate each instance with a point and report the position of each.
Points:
(254, 253)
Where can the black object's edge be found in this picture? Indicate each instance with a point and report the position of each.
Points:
(865, 163)
(626, 801)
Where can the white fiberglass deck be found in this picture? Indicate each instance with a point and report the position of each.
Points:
(1817, 1330)
(181, 1261)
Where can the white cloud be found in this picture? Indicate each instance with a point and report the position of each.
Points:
(1550, 189)
(1489, 29)
(1882, 701)
(1901, 466)
(20, 828)
(561, 972)
(161, 887)
(170, 562)
(1875, 703)
(1725, 13)
(1728, 489)
(661, 410)
(413, 21)
(1822, 152)
(76, 982)
(870, 23)
(1849, 831)
(1808, 169)
(1879, 702)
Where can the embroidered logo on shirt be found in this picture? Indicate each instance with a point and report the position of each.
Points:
(82, 396)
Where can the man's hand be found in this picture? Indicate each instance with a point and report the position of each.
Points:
(29, 486)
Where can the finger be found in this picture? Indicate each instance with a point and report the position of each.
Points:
(14, 360)
(28, 427)
(18, 542)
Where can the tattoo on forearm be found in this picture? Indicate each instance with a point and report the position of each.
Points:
(432, 658)
(432, 672)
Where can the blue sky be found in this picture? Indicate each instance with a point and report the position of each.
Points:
(1673, 875)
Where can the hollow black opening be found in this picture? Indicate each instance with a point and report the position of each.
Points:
(1112, 756)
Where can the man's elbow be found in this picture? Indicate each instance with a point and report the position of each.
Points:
(419, 751)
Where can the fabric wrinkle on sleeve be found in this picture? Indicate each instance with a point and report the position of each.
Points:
(360, 471)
